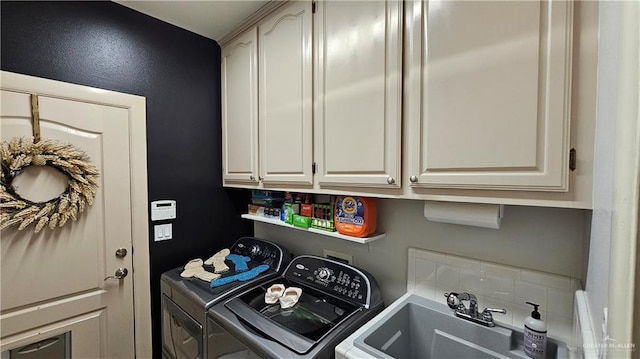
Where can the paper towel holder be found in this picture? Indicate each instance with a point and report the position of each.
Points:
(463, 213)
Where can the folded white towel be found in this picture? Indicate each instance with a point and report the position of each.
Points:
(194, 268)
(217, 261)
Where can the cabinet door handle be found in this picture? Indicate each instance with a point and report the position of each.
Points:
(391, 180)
(413, 179)
(252, 178)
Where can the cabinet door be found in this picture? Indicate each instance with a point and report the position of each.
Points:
(358, 93)
(240, 110)
(495, 95)
(285, 96)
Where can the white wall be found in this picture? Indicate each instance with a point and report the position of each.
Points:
(544, 239)
(597, 281)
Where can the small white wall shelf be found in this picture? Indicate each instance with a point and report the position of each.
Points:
(278, 222)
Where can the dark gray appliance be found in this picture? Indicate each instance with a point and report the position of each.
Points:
(185, 301)
(336, 300)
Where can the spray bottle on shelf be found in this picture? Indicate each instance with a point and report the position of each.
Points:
(535, 334)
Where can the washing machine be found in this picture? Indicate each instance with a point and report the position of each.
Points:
(185, 301)
(336, 300)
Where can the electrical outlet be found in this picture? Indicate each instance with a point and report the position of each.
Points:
(337, 256)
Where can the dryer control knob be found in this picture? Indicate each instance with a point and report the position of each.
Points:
(255, 250)
(324, 274)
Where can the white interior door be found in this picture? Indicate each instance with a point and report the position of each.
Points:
(57, 276)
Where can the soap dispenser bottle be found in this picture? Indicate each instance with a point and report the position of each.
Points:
(535, 334)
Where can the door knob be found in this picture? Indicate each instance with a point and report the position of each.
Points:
(121, 252)
(120, 274)
(391, 180)
(413, 179)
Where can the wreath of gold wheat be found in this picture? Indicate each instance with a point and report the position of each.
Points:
(82, 184)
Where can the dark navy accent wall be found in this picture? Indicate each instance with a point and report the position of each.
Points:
(106, 45)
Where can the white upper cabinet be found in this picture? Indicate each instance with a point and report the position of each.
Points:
(285, 93)
(492, 106)
(240, 109)
(465, 101)
(358, 88)
(267, 101)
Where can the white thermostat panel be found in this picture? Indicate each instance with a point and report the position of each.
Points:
(164, 209)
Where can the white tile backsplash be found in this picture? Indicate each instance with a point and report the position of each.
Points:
(431, 274)
(499, 287)
(425, 270)
(546, 279)
(472, 281)
(500, 270)
(530, 292)
(447, 275)
(430, 256)
(411, 288)
(463, 262)
(411, 269)
(561, 300)
(425, 289)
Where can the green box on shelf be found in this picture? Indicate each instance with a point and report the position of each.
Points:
(301, 221)
(322, 217)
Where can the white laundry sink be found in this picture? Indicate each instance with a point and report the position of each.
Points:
(416, 327)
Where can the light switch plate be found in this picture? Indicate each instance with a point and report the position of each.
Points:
(162, 232)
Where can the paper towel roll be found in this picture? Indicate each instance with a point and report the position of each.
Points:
(468, 214)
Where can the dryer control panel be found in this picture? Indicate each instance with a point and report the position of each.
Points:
(260, 251)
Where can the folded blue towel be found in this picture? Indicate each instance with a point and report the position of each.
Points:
(239, 261)
(244, 276)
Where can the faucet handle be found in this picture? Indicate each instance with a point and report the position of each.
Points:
(452, 300)
(487, 316)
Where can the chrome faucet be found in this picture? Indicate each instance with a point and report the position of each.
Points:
(454, 301)
(473, 303)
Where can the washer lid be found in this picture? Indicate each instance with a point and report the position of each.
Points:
(300, 327)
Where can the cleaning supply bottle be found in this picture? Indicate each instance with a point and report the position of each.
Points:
(286, 211)
(355, 216)
(535, 334)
